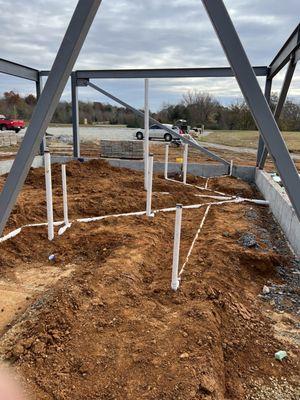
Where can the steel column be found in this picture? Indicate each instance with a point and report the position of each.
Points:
(75, 116)
(153, 121)
(261, 143)
(39, 89)
(44, 110)
(281, 100)
(255, 99)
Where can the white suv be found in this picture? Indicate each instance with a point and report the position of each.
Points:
(156, 132)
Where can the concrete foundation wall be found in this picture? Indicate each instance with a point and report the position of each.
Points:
(245, 173)
(206, 170)
(281, 208)
(9, 139)
(6, 165)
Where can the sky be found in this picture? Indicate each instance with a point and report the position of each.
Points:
(146, 34)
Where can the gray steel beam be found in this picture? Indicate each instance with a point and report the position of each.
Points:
(75, 116)
(285, 53)
(44, 110)
(153, 121)
(255, 99)
(281, 100)
(209, 72)
(261, 143)
(21, 71)
(297, 56)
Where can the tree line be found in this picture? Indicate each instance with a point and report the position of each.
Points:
(198, 108)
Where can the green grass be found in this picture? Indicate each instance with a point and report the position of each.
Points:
(248, 139)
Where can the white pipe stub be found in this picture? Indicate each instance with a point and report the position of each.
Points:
(177, 234)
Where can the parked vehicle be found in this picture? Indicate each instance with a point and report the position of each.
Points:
(156, 132)
(182, 124)
(7, 124)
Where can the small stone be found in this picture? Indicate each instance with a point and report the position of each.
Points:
(280, 355)
(184, 356)
(18, 351)
(266, 289)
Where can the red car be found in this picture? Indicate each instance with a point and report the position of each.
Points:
(7, 124)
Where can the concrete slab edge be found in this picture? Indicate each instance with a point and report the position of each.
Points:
(281, 208)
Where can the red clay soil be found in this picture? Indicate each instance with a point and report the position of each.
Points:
(113, 329)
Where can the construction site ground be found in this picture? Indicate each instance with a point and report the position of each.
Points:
(92, 149)
(91, 315)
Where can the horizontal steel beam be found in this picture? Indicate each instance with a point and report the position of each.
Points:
(284, 55)
(209, 72)
(21, 71)
(190, 142)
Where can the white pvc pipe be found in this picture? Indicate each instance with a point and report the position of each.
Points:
(146, 133)
(65, 193)
(149, 187)
(185, 161)
(166, 161)
(49, 199)
(231, 168)
(177, 234)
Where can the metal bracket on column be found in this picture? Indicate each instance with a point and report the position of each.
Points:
(82, 82)
(48, 101)
(192, 143)
(281, 100)
(255, 99)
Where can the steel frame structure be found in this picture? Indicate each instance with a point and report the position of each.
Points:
(270, 136)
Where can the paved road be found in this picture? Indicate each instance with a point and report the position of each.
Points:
(120, 133)
(238, 149)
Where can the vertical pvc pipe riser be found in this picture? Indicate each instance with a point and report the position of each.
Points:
(149, 188)
(49, 199)
(166, 161)
(185, 162)
(231, 168)
(177, 235)
(65, 194)
(146, 132)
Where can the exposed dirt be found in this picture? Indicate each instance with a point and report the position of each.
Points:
(100, 321)
(94, 189)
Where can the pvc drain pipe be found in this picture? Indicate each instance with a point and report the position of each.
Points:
(49, 199)
(146, 134)
(176, 248)
(185, 162)
(65, 193)
(149, 187)
(231, 168)
(166, 160)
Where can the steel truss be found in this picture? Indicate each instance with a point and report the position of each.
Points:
(239, 67)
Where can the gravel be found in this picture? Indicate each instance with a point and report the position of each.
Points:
(285, 296)
(248, 240)
(277, 389)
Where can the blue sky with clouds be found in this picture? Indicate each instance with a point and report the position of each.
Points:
(141, 34)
